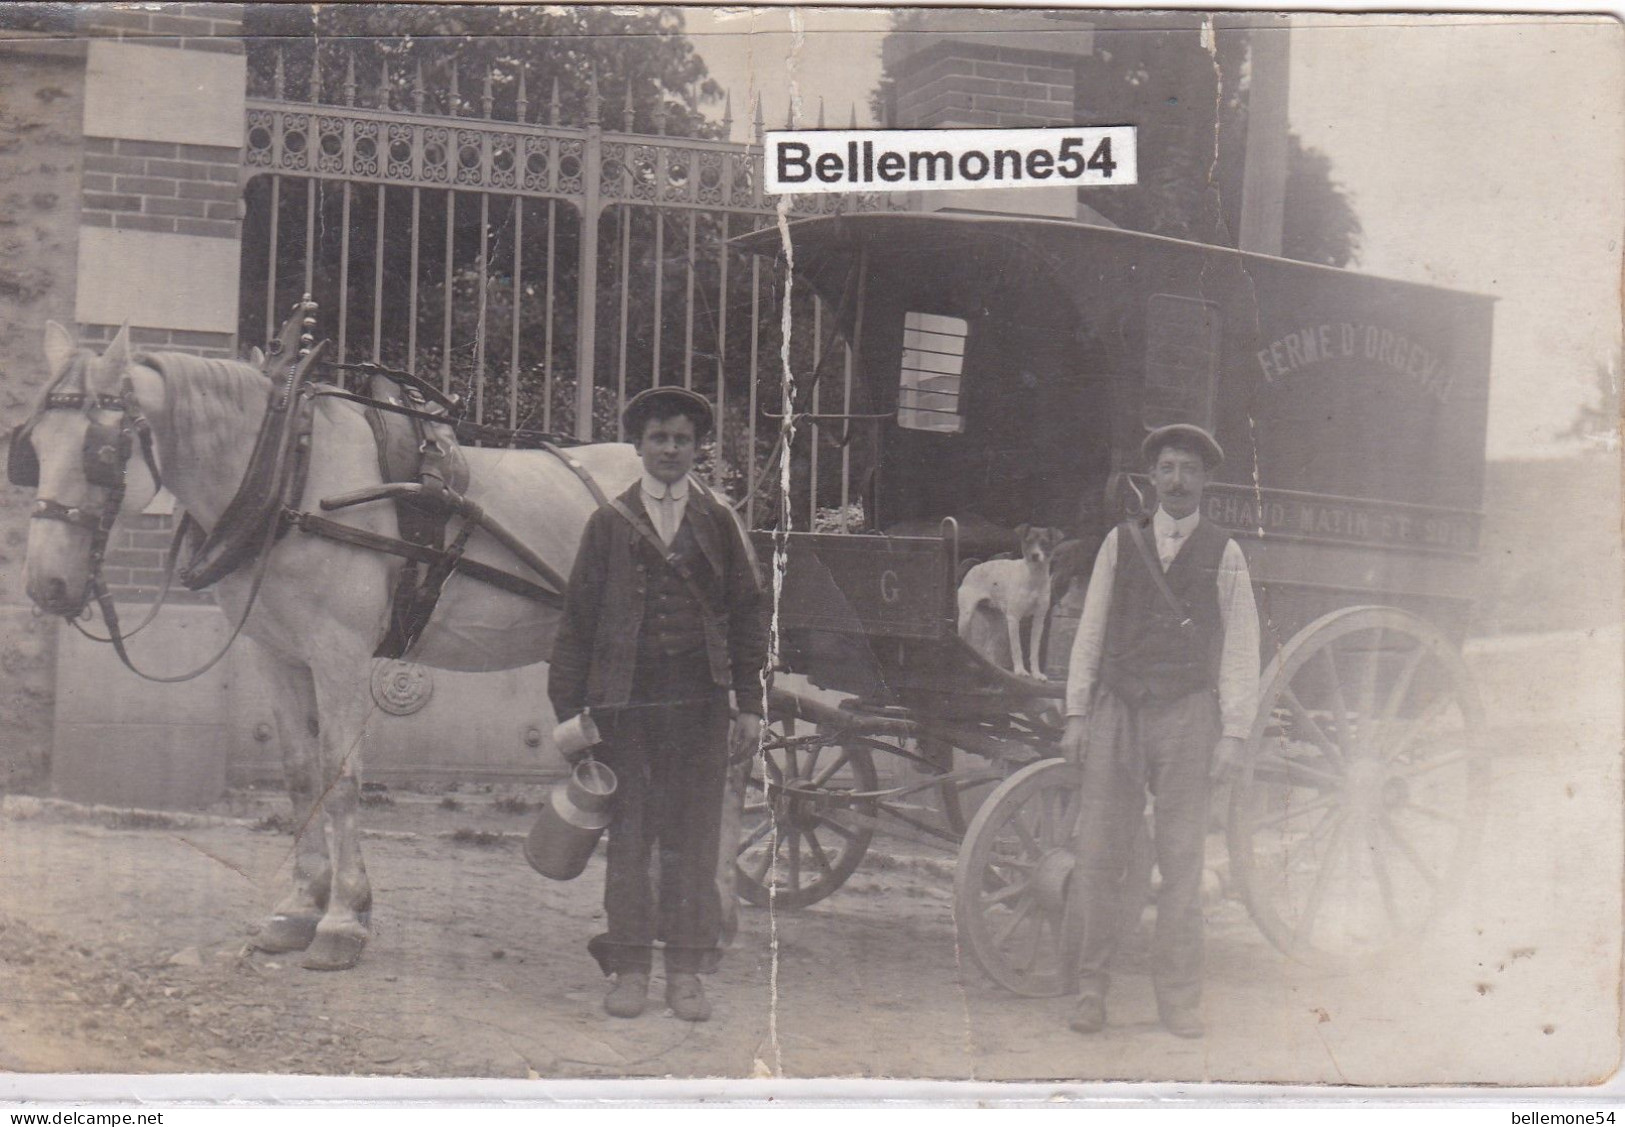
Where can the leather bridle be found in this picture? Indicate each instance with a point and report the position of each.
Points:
(106, 459)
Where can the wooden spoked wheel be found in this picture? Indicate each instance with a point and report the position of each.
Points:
(1358, 805)
(803, 831)
(1012, 879)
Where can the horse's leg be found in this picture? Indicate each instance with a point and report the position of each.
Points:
(292, 923)
(345, 705)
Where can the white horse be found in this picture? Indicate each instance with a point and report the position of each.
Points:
(322, 606)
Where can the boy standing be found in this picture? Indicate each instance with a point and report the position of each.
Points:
(664, 615)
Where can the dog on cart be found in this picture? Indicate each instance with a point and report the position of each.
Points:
(1018, 590)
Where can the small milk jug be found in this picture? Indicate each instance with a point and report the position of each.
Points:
(572, 820)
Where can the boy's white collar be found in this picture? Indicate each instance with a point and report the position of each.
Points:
(660, 491)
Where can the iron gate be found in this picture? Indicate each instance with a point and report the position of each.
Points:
(548, 272)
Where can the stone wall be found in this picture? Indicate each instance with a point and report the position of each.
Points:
(41, 110)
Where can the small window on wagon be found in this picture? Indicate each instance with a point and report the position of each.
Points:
(933, 365)
(1181, 360)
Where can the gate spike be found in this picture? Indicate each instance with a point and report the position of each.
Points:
(660, 115)
(593, 108)
(626, 111)
(727, 114)
(553, 105)
(383, 86)
(485, 94)
(316, 74)
(417, 88)
(523, 104)
(820, 112)
(761, 123)
(349, 79)
(278, 77)
(455, 96)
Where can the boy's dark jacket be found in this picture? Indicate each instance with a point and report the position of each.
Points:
(597, 644)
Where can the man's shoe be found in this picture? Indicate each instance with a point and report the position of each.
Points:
(630, 994)
(1183, 1022)
(685, 994)
(1090, 1016)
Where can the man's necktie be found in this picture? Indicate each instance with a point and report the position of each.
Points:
(1172, 548)
(668, 533)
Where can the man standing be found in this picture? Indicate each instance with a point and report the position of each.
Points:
(664, 615)
(1161, 691)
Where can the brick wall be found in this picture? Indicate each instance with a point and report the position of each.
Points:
(147, 178)
(162, 186)
(969, 84)
(192, 27)
(83, 212)
(989, 69)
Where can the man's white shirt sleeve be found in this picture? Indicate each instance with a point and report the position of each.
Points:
(1084, 665)
(1238, 661)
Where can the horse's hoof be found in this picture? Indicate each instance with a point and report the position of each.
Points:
(286, 933)
(334, 950)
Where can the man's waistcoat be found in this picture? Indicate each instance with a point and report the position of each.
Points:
(673, 620)
(1153, 651)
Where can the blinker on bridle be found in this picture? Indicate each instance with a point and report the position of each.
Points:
(105, 456)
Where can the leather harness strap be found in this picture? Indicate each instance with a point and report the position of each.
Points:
(360, 538)
(275, 477)
(641, 527)
(264, 508)
(579, 470)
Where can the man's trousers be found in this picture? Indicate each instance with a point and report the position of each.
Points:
(1166, 748)
(669, 752)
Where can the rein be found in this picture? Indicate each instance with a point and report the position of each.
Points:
(283, 444)
(280, 426)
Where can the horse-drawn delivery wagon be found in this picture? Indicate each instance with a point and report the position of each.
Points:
(1007, 371)
(1004, 372)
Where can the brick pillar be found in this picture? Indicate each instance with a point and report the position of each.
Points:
(158, 246)
(989, 69)
(160, 211)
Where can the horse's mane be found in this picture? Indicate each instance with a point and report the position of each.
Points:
(211, 402)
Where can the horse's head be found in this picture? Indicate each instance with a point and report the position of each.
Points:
(81, 450)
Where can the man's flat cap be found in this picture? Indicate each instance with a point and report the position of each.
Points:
(1185, 435)
(662, 403)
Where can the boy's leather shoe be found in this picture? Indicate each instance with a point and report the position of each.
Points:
(629, 996)
(685, 994)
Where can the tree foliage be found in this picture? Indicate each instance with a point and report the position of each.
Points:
(641, 50)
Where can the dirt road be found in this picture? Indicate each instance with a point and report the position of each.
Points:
(122, 948)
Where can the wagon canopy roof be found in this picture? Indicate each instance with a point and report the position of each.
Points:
(1050, 252)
